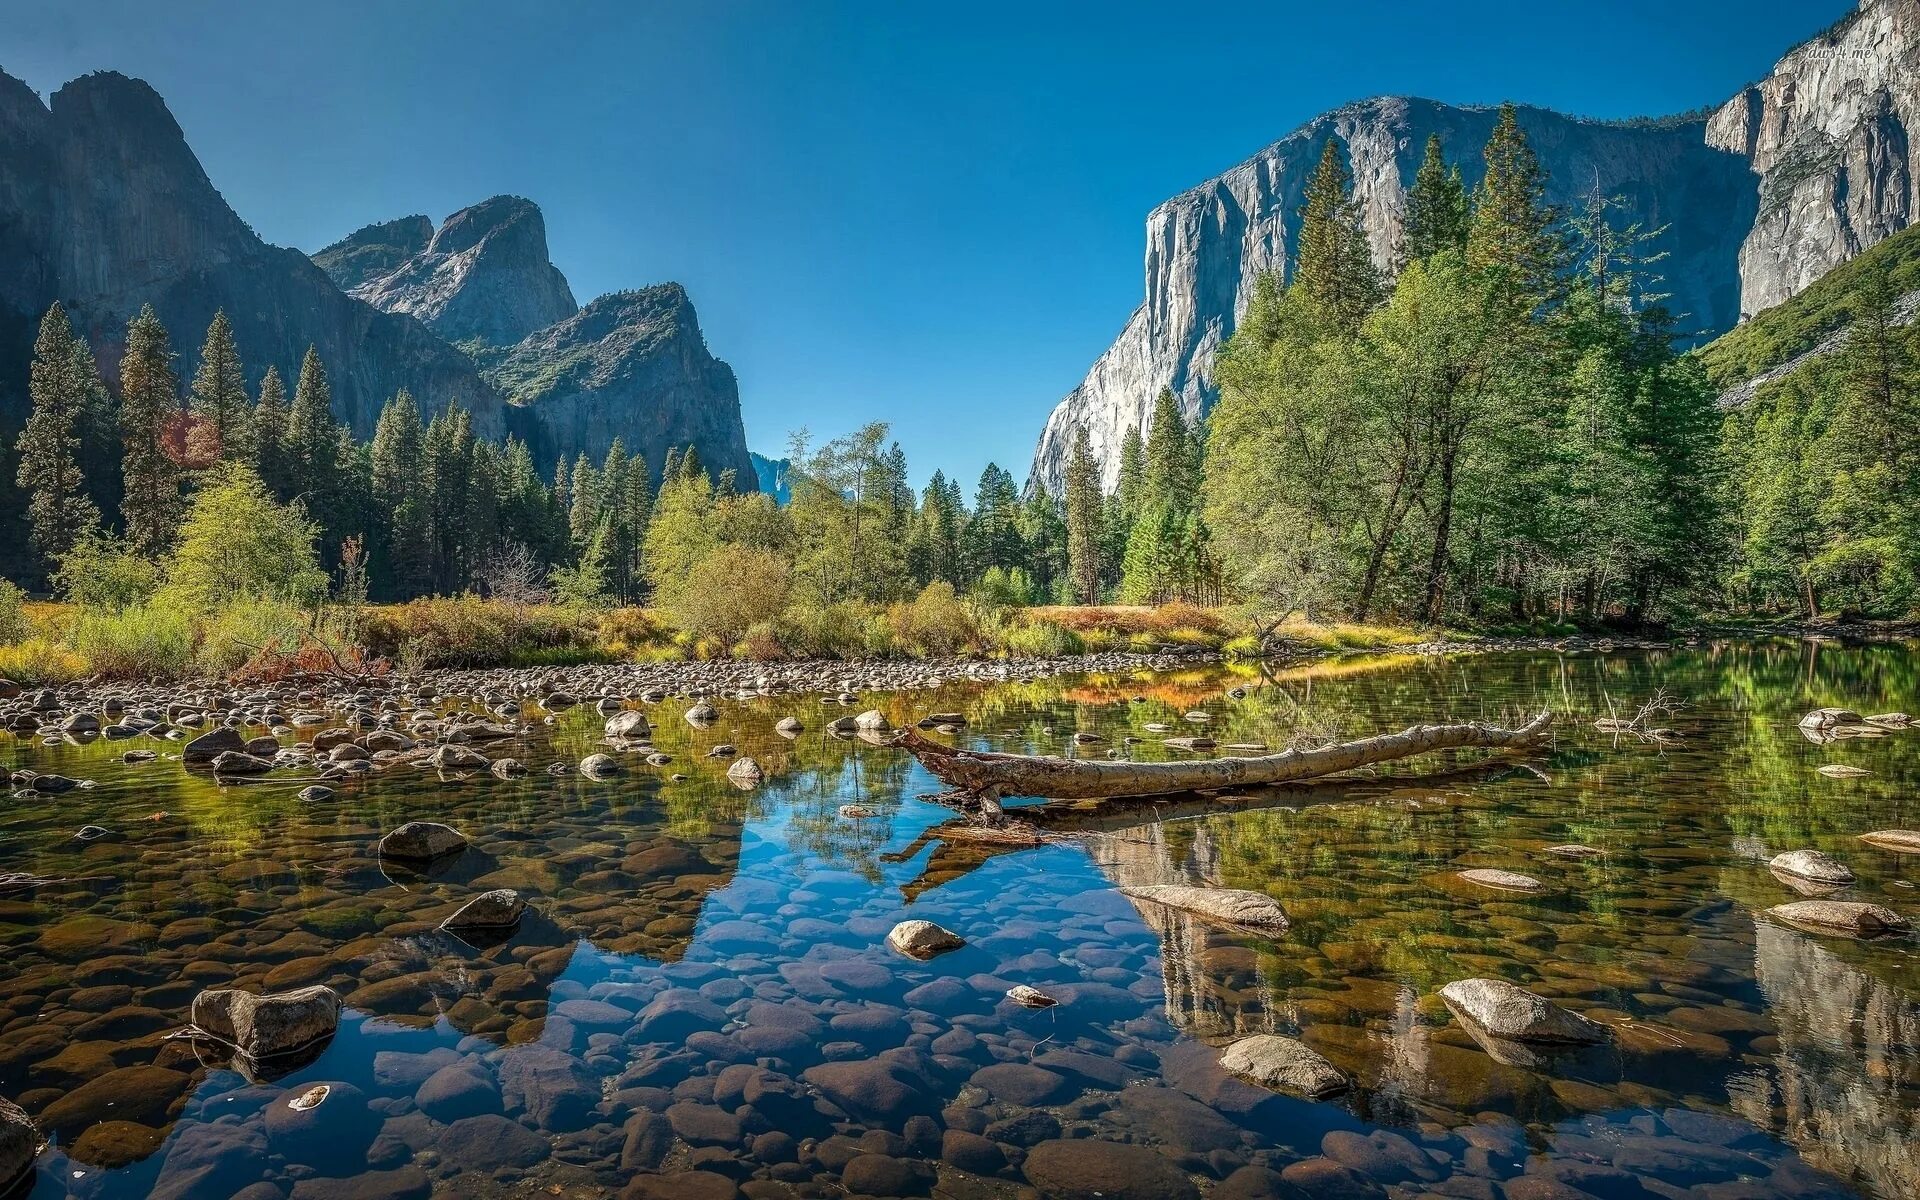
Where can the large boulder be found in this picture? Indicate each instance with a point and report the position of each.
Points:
(489, 912)
(1815, 865)
(1902, 841)
(873, 721)
(1841, 916)
(212, 744)
(1284, 1065)
(1228, 906)
(629, 726)
(20, 1144)
(1508, 1011)
(422, 841)
(923, 939)
(270, 1025)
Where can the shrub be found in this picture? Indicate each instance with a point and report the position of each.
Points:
(103, 572)
(811, 630)
(1040, 639)
(626, 631)
(250, 629)
(14, 625)
(1180, 616)
(933, 623)
(761, 644)
(239, 544)
(466, 631)
(37, 660)
(141, 641)
(726, 592)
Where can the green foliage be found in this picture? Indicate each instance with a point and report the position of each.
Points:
(934, 623)
(62, 379)
(141, 641)
(1085, 520)
(728, 591)
(239, 544)
(1334, 264)
(106, 573)
(584, 584)
(1438, 215)
(15, 627)
(149, 405)
(223, 428)
(1781, 333)
(466, 631)
(247, 629)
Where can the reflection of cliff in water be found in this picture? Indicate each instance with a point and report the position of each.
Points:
(1845, 1075)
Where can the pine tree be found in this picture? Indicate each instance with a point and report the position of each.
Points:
(149, 405)
(1512, 234)
(1133, 473)
(1437, 216)
(398, 469)
(312, 441)
(1084, 503)
(1171, 476)
(223, 429)
(583, 516)
(58, 509)
(270, 434)
(1334, 265)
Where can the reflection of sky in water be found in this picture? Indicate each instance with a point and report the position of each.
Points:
(1734, 1035)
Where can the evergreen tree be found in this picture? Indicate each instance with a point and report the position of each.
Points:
(1133, 473)
(1334, 264)
(223, 428)
(1085, 535)
(149, 407)
(583, 515)
(1437, 215)
(100, 447)
(1512, 235)
(58, 509)
(311, 445)
(398, 485)
(270, 435)
(993, 535)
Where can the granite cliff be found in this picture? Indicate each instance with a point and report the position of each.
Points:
(1775, 187)
(104, 207)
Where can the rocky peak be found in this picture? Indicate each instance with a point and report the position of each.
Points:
(632, 365)
(374, 251)
(484, 275)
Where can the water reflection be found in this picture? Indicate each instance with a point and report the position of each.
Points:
(702, 966)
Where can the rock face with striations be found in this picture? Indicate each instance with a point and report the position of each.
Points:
(1779, 185)
(631, 365)
(1827, 134)
(483, 275)
(104, 207)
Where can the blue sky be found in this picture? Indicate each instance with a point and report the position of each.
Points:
(924, 214)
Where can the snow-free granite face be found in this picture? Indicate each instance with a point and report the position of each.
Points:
(1782, 183)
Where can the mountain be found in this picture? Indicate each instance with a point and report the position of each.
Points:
(104, 207)
(772, 476)
(1760, 197)
(632, 365)
(482, 276)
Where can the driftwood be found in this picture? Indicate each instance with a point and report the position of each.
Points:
(990, 776)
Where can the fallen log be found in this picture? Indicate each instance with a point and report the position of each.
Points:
(990, 776)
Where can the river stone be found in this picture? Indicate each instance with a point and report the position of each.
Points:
(212, 744)
(1231, 906)
(1087, 1168)
(923, 939)
(1511, 1012)
(872, 720)
(313, 793)
(19, 1144)
(458, 758)
(488, 912)
(1506, 881)
(789, 726)
(1027, 997)
(508, 768)
(1283, 1065)
(1576, 850)
(420, 841)
(269, 1025)
(629, 725)
(1827, 718)
(1816, 865)
(1902, 841)
(702, 714)
(239, 762)
(1841, 771)
(599, 766)
(745, 771)
(1841, 916)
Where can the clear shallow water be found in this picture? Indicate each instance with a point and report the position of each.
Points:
(703, 1004)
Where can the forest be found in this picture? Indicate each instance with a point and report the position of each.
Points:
(1501, 432)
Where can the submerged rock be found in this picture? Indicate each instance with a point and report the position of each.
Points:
(1507, 1011)
(1576, 850)
(1827, 718)
(239, 762)
(1842, 771)
(489, 912)
(1506, 881)
(1085, 1168)
(1284, 1065)
(923, 939)
(1841, 916)
(270, 1025)
(420, 841)
(1230, 906)
(1816, 865)
(1901, 841)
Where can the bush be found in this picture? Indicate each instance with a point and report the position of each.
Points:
(1039, 639)
(142, 641)
(239, 544)
(726, 592)
(103, 572)
(239, 633)
(466, 631)
(761, 644)
(933, 623)
(37, 660)
(842, 630)
(14, 625)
